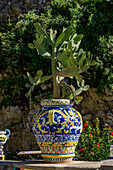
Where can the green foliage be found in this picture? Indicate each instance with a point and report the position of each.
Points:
(94, 20)
(38, 79)
(16, 59)
(12, 89)
(63, 49)
(94, 144)
(14, 156)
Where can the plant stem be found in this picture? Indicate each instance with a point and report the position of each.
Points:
(55, 86)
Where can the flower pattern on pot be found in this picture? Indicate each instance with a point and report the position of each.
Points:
(58, 121)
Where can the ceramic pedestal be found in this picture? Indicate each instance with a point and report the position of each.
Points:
(57, 128)
(4, 136)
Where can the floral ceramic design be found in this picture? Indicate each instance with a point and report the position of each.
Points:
(57, 128)
(4, 136)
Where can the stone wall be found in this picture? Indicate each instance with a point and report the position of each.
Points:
(20, 122)
(11, 9)
(97, 105)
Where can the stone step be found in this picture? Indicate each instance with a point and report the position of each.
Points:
(74, 165)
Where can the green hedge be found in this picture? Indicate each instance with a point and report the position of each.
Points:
(94, 144)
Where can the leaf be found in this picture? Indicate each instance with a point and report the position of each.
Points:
(45, 78)
(28, 94)
(37, 82)
(93, 63)
(70, 63)
(67, 34)
(30, 78)
(83, 69)
(60, 38)
(77, 92)
(39, 39)
(68, 94)
(39, 73)
(36, 79)
(49, 41)
(73, 34)
(78, 83)
(35, 42)
(83, 56)
(51, 34)
(77, 46)
(30, 45)
(61, 78)
(78, 38)
(67, 72)
(71, 96)
(79, 78)
(78, 99)
(69, 45)
(48, 57)
(32, 88)
(82, 83)
(54, 36)
(40, 47)
(63, 57)
(86, 87)
(27, 85)
(39, 29)
(72, 88)
(46, 54)
(74, 61)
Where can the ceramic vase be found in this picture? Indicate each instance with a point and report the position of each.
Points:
(57, 128)
(111, 152)
(4, 136)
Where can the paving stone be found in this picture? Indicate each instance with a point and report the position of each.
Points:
(74, 165)
(107, 165)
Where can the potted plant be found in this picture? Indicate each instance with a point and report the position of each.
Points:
(57, 126)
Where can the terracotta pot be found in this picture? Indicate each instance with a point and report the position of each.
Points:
(57, 128)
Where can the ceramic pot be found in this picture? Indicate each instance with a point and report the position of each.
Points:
(111, 152)
(57, 128)
(4, 136)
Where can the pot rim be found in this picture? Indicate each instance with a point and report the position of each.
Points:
(55, 102)
(3, 132)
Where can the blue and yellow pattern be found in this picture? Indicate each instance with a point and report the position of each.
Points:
(23, 169)
(3, 138)
(57, 125)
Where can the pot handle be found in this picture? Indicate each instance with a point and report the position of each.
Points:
(51, 120)
(7, 133)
